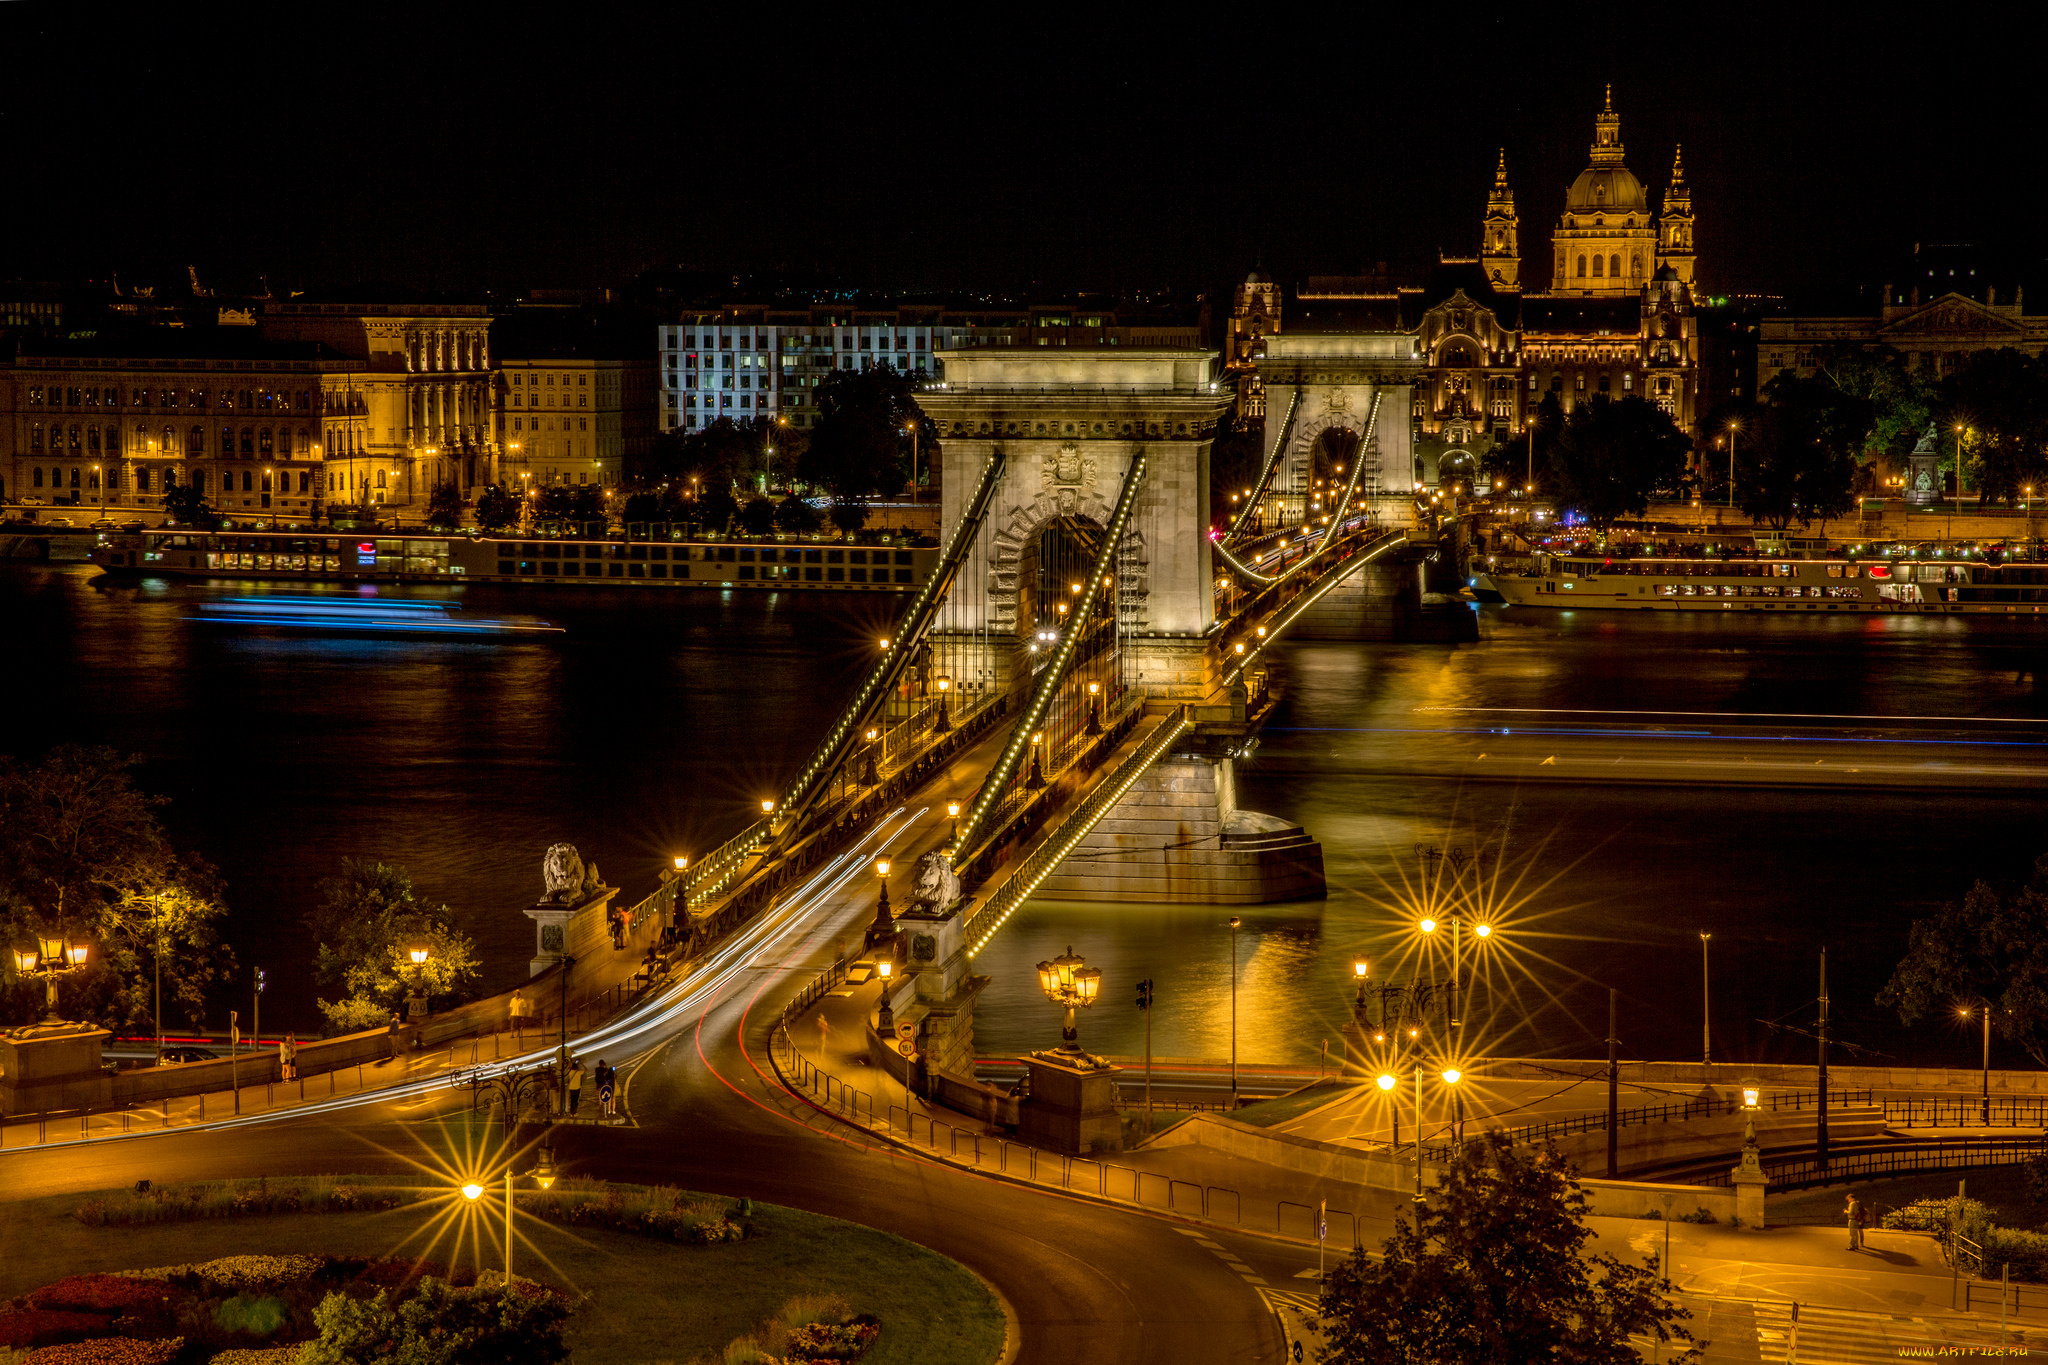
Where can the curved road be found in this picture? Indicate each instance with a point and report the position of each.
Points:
(1085, 1281)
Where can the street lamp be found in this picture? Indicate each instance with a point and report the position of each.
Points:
(884, 925)
(945, 721)
(870, 775)
(1706, 1034)
(52, 956)
(1734, 425)
(1095, 707)
(1035, 779)
(885, 1021)
(416, 1003)
(1070, 983)
(1360, 970)
(1985, 1010)
(953, 813)
(1387, 1081)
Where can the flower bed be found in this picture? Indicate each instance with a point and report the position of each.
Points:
(241, 1310)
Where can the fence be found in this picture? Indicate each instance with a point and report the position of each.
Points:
(1956, 1112)
(968, 1142)
(1797, 1173)
(1682, 1111)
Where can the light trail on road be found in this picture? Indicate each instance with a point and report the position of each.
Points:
(642, 1025)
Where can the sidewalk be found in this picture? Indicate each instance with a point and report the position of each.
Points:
(449, 1062)
(1899, 1275)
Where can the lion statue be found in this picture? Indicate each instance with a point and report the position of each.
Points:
(938, 886)
(562, 871)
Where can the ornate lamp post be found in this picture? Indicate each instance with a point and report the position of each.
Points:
(1387, 1081)
(1094, 708)
(52, 956)
(1035, 779)
(869, 774)
(416, 1003)
(1072, 985)
(884, 926)
(944, 721)
(953, 812)
(885, 1019)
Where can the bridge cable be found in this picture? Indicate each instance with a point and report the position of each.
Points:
(1266, 474)
(991, 793)
(903, 647)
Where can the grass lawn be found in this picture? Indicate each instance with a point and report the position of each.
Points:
(648, 1300)
(2004, 1188)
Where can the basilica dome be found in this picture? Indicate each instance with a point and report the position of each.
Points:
(1606, 189)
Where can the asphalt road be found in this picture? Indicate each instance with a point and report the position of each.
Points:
(1085, 1282)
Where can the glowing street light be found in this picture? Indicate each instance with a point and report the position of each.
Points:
(1070, 983)
(1387, 1081)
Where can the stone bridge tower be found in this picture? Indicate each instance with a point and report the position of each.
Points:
(1069, 421)
(1336, 376)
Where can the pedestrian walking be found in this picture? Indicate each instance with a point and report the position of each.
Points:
(575, 1085)
(606, 1078)
(516, 1011)
(1854, 1212)
(288, 1058)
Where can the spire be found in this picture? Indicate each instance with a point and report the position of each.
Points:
(1607, 134)
(1499, 249)
(1677, 166)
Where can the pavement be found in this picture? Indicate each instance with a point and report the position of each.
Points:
(1742, 1284)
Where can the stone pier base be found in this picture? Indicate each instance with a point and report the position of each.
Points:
(1178, 836)
(1384, 601)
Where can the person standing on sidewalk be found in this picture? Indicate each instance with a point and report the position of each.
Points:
(516, 1011)
(288, 1058)
(575, 1085)
(391, 1032)
(1854, 1211)
(605, 1078)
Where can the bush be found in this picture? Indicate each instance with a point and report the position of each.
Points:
(1932, 1215)
(810, 1328)
(102, 1294)
(108, 1351)
(43, 1327)
(1698, 1215)
(849, 515)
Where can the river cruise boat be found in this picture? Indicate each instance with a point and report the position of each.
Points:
(1769, 583)
(302, 556)
(344, 613)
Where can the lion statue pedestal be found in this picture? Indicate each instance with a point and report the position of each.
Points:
(572, 916)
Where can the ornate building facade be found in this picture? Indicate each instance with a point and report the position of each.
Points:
(1616, 320)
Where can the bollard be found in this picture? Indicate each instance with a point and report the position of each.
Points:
(269, 1099)
(202, 1107)
(81, 1127)
(42, 1131)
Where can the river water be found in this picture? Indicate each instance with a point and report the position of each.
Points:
(657, 721)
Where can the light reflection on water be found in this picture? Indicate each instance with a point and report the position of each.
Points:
(654, 725)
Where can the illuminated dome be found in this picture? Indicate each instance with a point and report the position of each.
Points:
(1607, 189)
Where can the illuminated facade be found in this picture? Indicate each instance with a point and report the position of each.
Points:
(114, 422)
(558, 421)
(1616, 321)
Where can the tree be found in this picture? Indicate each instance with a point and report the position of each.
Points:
(441, 1325)
(849, 514)
(1993, 947)
(861, 444)
(1493, 1269)
(1611, 456)
(496, 508)
(758, 516)
(716, 507)
(367, 922)
(796, 515)
(571, 502)
(81, 852)
(444, 507)
(187, 506)
(2000, 400)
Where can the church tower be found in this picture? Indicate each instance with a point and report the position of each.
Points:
(1674, 228)
(1605, 244)
(1500, 253)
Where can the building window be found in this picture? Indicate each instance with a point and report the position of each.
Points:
(38, 472)
(35, 442)
(1606, 383)
(1614, 266)
(142, 480)
(1598, 261)
(1635, 264)
(195, 442)
(1628, 381)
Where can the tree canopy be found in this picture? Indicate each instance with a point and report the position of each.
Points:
(1493, 1268)
(444, 507)
(1612, 455)
(1990, 948)
(81, 853)
(1999, 399)
(366, 923)
(186, 505)
(497, 508)
(860, 447)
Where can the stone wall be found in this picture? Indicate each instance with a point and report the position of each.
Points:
(1178, 836)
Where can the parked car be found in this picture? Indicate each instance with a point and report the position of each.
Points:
(189, 1054)
(31, 502)
(131, 527)
(57, 521)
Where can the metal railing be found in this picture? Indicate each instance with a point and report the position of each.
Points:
(1952, 1112)
(1804, 1172)
(1681, 1112)
(1258, 491)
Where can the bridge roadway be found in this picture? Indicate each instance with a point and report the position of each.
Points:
(705, 1112)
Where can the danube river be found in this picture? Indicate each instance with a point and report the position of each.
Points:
(1622, 783)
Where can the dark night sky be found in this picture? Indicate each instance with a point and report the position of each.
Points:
(457, 147)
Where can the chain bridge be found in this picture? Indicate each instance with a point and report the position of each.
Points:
(1087, 659)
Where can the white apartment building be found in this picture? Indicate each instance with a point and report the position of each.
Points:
(745, 370)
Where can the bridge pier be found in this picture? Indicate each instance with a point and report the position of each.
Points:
(1179, 836)
(1384, 601)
